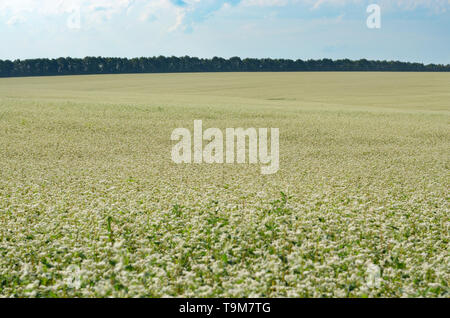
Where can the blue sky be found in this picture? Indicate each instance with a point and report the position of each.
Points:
(411, 30)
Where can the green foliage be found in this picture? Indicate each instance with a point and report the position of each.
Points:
(161, 64)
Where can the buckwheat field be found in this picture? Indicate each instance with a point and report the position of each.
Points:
(91, 204)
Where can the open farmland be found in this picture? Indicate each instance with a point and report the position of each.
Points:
(91, 203)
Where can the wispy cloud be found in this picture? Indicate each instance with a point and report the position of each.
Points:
(279, 28)
(15, 19)
(182, 12)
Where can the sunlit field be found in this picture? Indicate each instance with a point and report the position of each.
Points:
(92, 205)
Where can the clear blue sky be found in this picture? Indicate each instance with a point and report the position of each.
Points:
(411, 30)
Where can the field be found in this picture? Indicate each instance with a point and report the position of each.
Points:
(91, 203)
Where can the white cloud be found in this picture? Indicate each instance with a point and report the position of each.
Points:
(51, 7)
(439, 5)
(265, 3)
(155, 8)
(176, 15)
(179, 20)
(16, 19)
(55, 7)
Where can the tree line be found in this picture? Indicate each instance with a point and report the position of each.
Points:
(161, 64)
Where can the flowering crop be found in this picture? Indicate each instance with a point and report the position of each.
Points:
(91, 204)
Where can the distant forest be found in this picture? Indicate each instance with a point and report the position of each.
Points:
(161, 64)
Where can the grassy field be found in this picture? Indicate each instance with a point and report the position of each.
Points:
(92, 205)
